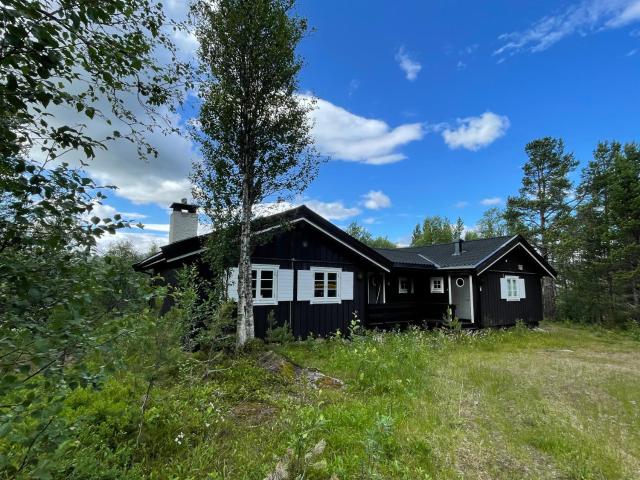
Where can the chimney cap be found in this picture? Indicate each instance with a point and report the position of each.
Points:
(182, 206)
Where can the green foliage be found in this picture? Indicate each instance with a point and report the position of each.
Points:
(254, 130)
(542, 207)
(361, 233)
(434, 229)
(77, 55)
(600, 254)
(277, 333)
(492, 224)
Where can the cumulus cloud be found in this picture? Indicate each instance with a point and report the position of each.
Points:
(474, 133)
(375, 200)
(332, 210)
(107, 211)
(586, 17)
(343, 135)
(140, 241)
(409, 66)
(335, 210)
(491, 201)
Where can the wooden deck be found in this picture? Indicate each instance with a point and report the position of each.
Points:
(389, 315)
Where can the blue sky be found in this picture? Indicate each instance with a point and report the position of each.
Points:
(425, 107)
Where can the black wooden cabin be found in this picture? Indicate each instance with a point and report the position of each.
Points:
(314, 276)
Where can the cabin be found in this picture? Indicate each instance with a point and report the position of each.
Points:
(313, 276)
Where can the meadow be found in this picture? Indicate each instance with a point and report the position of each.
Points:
(559, 401)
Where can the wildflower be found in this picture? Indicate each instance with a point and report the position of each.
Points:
(179, 438)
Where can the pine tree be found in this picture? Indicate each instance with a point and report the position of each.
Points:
(543, 206)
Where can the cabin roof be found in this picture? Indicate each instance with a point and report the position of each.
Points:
(476, 254)
(442, 255)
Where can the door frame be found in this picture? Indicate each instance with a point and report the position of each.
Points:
(471, 297)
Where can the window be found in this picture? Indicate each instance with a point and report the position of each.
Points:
(263, 284)
(326, 285)
(437, 285)
(460, 282)
(405, 285)
(513, 292)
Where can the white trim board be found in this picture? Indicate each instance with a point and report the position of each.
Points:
(519, 244)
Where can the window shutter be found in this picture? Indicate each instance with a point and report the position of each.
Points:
(285, 285)
(305, 285)
(521, 288)
(503, 288)
(232, 286)
(346, 286)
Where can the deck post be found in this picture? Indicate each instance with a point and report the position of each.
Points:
(384, 288)
(471, 298)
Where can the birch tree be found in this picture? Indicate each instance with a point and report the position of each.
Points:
(254, 128)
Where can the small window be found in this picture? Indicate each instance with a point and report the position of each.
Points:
(405, 285)
(460, 282)
(326, 285)
(263, 281)
(513, 292)
(437, 285)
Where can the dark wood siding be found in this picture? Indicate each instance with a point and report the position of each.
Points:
(496, 312)
(299, 249)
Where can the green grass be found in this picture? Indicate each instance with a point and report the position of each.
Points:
(559, 402)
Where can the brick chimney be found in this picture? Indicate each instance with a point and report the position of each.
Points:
(184, 221)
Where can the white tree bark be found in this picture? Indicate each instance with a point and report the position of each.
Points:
(245, 329)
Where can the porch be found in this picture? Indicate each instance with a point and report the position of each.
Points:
(389, 315)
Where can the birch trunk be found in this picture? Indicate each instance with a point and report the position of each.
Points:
(245, 329)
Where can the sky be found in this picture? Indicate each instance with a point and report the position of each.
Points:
(424, 108)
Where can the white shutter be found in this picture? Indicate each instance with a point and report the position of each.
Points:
(305, 285)
(521, 288)
(232, 286)
(285, 285)
(503, 288)
(346, 286)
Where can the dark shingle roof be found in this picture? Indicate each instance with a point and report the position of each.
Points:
(441, 255)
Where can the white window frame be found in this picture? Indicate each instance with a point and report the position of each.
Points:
(325, 271)
(433, 287)
(513, 288)
(259, 268)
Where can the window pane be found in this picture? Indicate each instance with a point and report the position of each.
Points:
(318, 284)
(266, 275)
(266, 292)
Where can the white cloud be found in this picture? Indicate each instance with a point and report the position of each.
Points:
(461, 65)
(156, 227)
(343, 135)
(107, 211)
(375, 200)
(474, 133)
(140, 241)
(491, 201)
(332, 210)
(461, 204)
(369, 220)
(409, 66)
(631, 53)
(582, 18)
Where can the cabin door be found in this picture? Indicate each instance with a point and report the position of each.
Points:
(461, 296)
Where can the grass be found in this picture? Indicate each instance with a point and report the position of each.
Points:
(557, 402)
